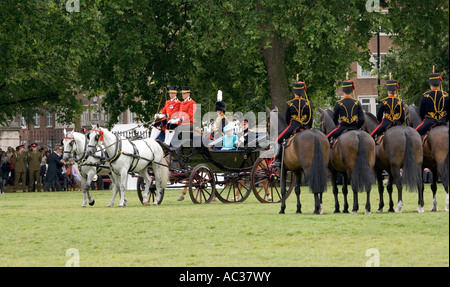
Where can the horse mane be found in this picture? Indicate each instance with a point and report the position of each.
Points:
(371, 116)
(327, 116)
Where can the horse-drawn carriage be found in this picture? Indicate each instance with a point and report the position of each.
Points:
(228, 175)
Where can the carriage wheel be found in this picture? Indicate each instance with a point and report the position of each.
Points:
(201, 184)
(152, 191)
(265, 181)
(235, 189)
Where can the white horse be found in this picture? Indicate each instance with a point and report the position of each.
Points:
(125, 156)
(89, 166)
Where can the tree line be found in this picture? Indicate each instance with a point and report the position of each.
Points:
(130, 51)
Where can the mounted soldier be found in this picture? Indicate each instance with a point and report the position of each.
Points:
(434, 105)
(349, 110)
(392, 108)
(171, 107)
(298, 117)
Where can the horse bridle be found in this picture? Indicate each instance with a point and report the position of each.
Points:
(118, 144)
(71, 143)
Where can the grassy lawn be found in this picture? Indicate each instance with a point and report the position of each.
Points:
(38, 228)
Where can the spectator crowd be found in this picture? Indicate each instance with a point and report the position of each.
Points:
(34, 169)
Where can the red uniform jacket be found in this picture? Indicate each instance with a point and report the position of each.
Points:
(171, 107)
(187, 111)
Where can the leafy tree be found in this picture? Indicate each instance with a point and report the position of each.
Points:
(252, 50)
(421, 38)
(42, 47)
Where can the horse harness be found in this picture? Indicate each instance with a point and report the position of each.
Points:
(81, 161)
(135, 155)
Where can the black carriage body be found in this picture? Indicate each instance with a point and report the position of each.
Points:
(228, 175)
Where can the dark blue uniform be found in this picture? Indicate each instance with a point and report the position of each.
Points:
(298, 114)
(393, 110)
(433, 109)
(351, 114)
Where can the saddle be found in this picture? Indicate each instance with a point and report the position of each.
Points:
(425, 137)
(294, 133)
(333, 142)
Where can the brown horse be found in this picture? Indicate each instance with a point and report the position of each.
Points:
(353, 157)
(435, 154)
(307, 153)
(401, 147)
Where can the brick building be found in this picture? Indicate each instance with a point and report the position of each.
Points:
(365, 80)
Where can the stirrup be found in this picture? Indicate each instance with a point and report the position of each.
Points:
(276, 164)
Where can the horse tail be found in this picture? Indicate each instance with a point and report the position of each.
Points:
(317, 179)
(444, 172)
(160, 166)
(362, 174)
(412, 175)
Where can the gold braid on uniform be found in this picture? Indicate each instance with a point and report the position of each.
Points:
(392, 116)
(300, 117)
(346, 119)
(438, 107)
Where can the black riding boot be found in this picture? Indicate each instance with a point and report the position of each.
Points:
(277, 162)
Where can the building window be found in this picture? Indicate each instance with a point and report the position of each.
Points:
(85, 118)
(48, 120)
(23, 124)
(370, 72)
(95, 116)
(368, 103)
(36, 120)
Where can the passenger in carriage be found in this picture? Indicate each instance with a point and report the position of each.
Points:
(349, 110)
(221, 120)
(170, 108)
(298, 116)
(392, 108)
(242, 142)
(184, 117)
(229, 138)
(434, 105)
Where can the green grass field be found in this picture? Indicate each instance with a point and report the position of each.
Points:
(36, 229)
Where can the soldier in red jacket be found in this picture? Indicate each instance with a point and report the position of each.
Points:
(171, 107)
(184, 117)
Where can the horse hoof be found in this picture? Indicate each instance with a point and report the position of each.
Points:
(398, 210)
(367, 212)
(281, 212)
(420, 209)
(354, 212)
(145, 203)
(84, 206)
(337, 211)
(121, 206)
(92, 203)
(380, 210)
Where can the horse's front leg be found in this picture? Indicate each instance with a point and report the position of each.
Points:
(434, 189)
(345, 192)
(283, 190)
(335, 192)
(123, 186)
(368, 207)
(298, 192)
(380, 190)
(398, 183)
(147, 180)
(390, 189)
(85, 188)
